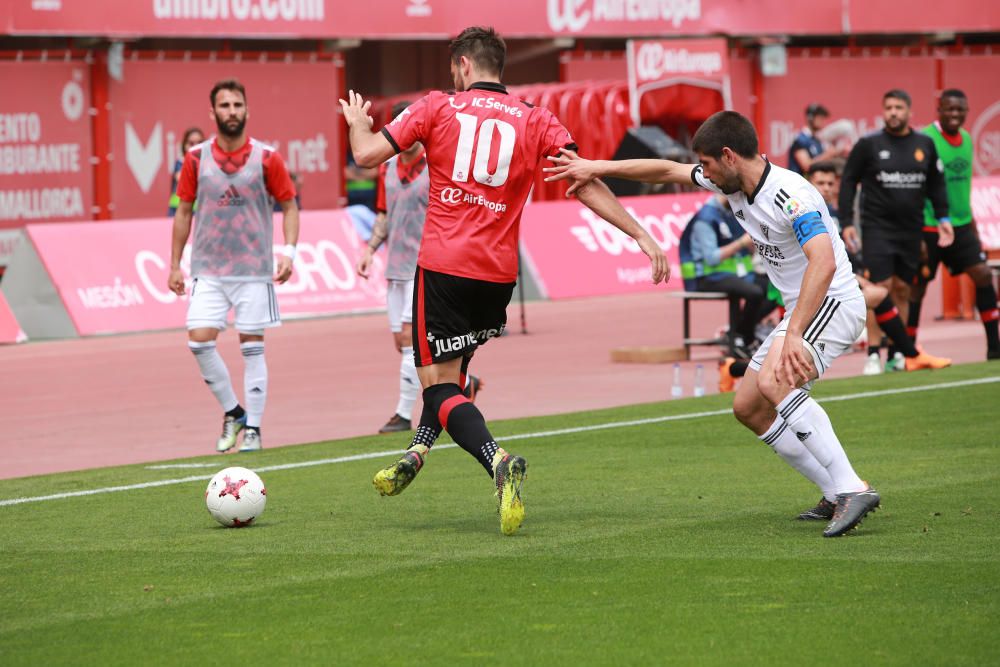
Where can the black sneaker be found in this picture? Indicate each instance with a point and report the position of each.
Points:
(851, 509)
(473, 388)
(822, 512)
(396, 424)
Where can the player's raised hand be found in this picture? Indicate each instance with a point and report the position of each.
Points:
(284, 271)
(356, 110)
(570, 166)
(657, 259)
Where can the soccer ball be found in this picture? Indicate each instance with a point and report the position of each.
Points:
(235, 497)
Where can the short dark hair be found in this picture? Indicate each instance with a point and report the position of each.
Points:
(823, 167)
(898, 94)
(953, 92)
(228, 84)
(483, 46)
(726, 129)
(814, 110)
(399, 107)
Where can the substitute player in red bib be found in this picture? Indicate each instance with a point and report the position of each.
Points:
(233, 179)
(484, 147)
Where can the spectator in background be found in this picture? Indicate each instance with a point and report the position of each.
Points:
(716, 256)
(965, 255)
(807, 148)
(360, 183)
(192, 137)
(897, 170)
(882, 313)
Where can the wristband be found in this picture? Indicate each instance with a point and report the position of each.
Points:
(288, 251)
(946, 221)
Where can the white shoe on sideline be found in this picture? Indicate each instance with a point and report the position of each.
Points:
(873, 365)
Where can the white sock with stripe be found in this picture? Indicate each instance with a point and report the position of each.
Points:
(254, 381)
(785, 444)
(409, 384)
(215, 373)
(812, 426)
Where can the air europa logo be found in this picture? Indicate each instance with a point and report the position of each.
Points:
(575, 15)
(654, 60)
(986, 141)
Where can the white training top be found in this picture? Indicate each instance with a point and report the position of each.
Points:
(783, 213)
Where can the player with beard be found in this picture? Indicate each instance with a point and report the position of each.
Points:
(805, 260)
(233, 179)
(897, 170)
(965, 255)
(483, 147)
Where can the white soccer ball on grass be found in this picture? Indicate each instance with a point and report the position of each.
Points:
(235, 497)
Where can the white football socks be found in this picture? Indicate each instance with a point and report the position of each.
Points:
(409, 384)
(786, 445)
(812, 426)
(215, 373)
(254, 381)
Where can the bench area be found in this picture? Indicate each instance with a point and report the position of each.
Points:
(659, 355)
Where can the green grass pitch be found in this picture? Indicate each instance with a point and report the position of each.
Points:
(662, 543)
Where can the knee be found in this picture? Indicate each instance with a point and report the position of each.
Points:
(744, 410)
(980, 275)
(769, 388)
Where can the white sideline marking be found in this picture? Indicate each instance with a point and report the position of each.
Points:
(171, 466)
(520, 436)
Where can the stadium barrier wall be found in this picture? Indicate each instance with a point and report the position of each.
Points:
(572, 252)
(82, 279)
(10, 330)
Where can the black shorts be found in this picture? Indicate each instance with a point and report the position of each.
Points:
(452, 316)
(964, 253)
(888, 257)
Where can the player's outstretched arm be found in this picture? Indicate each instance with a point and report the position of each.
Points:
(370, 149)
(596, 196)
(181, 231)
(570, 166)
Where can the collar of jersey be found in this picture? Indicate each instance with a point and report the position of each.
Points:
(490, 86)
(760, 183)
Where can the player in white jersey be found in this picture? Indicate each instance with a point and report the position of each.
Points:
(233, 179)
(805, 259)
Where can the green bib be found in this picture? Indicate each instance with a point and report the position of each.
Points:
(957, 161)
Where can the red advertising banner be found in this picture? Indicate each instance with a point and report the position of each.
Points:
(396, 18)
(45, 147)
(10, 331)
(573, 252)
(851, 88)
(293, 107)
(986, 210)
(112, 276)
(879, 16)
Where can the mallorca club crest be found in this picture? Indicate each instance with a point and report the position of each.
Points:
(919, 155)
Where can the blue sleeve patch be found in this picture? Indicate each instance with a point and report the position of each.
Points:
(807, 226)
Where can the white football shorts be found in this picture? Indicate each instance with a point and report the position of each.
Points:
(399, 302)
(254, 305)
(831, 333)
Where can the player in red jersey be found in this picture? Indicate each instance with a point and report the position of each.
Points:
(483, 148)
